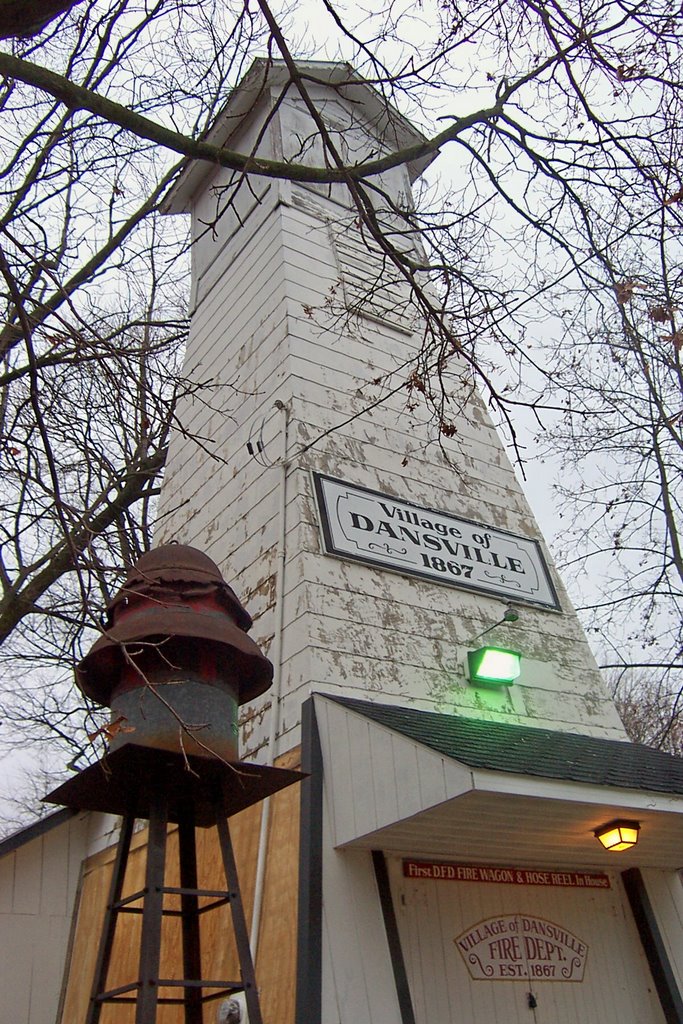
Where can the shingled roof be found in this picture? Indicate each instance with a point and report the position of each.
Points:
(518, 749)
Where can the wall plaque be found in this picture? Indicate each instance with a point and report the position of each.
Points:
(371, 527)
(520, 947)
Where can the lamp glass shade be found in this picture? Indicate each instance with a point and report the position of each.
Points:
(618, 835)
(494, 665)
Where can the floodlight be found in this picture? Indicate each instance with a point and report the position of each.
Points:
(494, 665)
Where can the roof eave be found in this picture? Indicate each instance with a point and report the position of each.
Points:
(431, 803)
(264, 75)
(34, 830)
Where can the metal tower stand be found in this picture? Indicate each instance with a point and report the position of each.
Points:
(163, 787)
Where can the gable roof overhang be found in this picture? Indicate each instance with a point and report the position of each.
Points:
(426, 784)
(265, 75)
(39, 827)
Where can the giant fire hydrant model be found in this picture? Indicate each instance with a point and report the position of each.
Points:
(174, 663)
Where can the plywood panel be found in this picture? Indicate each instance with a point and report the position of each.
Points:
(90, 913)
(276, 960)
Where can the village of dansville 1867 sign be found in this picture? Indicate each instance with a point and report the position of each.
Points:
(374, 528)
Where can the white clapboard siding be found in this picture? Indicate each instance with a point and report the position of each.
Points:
(215, 228)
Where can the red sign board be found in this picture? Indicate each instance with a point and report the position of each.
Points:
(445, 871)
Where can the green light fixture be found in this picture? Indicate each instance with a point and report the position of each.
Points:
(493, 666)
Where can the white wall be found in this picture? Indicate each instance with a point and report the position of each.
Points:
(39, 882)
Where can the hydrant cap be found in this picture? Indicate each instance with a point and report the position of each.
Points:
(174, 591)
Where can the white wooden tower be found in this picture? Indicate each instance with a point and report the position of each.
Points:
(293, 318)
(449, 870)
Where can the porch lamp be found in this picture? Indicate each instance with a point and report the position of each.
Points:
(618, 834)
(493, 665)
